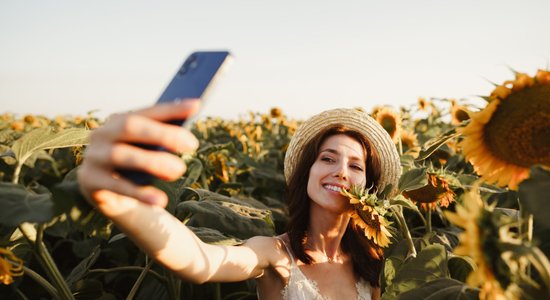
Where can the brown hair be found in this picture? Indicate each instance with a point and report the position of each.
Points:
(366, 264)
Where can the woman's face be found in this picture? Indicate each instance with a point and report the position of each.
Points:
(339, 164)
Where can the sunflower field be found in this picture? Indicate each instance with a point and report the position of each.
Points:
(470, 219)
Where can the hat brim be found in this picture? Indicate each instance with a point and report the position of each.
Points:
(355, 120)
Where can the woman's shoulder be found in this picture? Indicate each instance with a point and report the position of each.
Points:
(267, 242)
(270, 247)
(275, 277)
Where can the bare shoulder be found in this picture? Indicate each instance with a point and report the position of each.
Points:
(269, 245)
(276, 273)
(270, 249)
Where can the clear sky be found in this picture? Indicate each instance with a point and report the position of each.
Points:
(70, 57)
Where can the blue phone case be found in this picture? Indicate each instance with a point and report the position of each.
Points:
(190, 82)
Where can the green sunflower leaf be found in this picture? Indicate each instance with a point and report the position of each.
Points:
(413, 179)
(213, 236)
(400, 200)
(432, 145)
(430, 264)
(460, 267)
(235, 217)
(533, 196)
(18, 205)
(441, 289)
(46, 138)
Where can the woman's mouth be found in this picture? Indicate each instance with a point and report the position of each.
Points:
(334, 188)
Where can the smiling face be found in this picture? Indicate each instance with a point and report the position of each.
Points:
(339, 164)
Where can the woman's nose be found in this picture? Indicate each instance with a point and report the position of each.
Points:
(341, 171)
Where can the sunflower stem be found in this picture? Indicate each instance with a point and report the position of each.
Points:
(17, 173)
(20, 294)
(526, 231)
(398, 212)
(41, 281)
(139, 280)
(429, 219)
(127, 269)
(173, 285)
(539, 260)
(217, 291)
(49, 263)
(400, 146)
(34, 238)
(529, 237)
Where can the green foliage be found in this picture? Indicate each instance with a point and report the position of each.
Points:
(234, 189)
(441, 289)
(20, 205)
(429, 264)
(46, 138)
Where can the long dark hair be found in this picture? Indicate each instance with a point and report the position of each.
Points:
(366, 256)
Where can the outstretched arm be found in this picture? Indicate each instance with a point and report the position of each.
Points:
(138, 210)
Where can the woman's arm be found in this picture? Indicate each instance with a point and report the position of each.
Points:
(138, 210)
(168, 241)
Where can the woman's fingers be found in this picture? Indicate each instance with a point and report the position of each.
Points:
(171, 111)
(106, 188)
(113, 146)
(125, 156)
(132, 128)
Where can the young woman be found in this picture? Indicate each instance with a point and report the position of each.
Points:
(322, 256)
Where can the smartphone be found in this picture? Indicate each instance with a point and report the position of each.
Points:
(192, 81)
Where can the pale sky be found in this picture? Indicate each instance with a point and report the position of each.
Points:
(71, 57)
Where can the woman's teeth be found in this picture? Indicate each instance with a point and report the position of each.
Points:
(333, 188)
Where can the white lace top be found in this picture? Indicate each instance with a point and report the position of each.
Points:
(299, 287)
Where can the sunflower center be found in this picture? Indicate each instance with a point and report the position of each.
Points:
(370, 218)
(389, 124)
(461, 115)
(373, 223)
(519, 129)
(436, 189)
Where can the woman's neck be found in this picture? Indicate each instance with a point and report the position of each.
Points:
(324, 235)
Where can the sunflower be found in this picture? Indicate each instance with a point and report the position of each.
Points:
(369, 215)
(435, 192)
(60, 121)
(219, 162)
(410, 143)
(480, 241)
(512, 132)
(276, 112)
(18, 126)
(10, 266)
(391, 122)
(423, 104)
(91, 124)
(375, 111)
(459, 113)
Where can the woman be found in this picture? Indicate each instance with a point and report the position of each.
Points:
(321, 256)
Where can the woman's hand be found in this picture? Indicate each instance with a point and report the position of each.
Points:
(110, 148)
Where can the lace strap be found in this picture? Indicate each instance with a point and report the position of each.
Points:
(287, 250)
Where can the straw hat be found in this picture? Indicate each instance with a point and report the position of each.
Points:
(354, 120)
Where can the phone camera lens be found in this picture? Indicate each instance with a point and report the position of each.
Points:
(190, 63)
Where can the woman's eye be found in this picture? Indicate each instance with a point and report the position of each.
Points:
(327, 159)
(357, 167)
